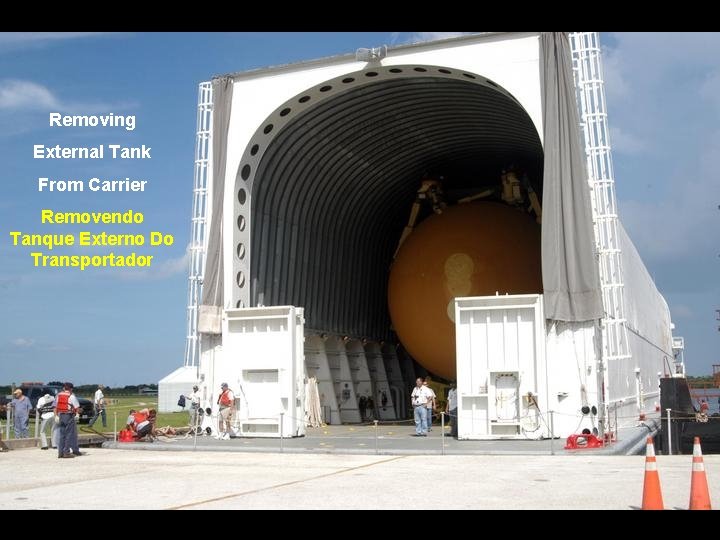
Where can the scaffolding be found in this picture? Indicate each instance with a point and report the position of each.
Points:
(198, 234)
(593, 120)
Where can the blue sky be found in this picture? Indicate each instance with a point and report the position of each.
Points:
(121, 327)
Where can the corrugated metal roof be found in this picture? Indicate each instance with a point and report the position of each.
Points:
(335, 187)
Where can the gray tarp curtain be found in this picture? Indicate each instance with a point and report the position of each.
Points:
(571, 283)
(212, 292)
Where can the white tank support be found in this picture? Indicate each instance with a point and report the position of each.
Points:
(198, 232)
(399, 387)
(359, 372)
(593, 120)
(382, 396)
(316, 365)
(344, 386)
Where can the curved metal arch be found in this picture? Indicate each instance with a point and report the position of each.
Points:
(329, 177)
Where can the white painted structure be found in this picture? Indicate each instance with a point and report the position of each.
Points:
(172, 386)
(513, 368)
(261, 360)
(566, 368)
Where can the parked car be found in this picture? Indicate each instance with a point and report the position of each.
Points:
(35, 392)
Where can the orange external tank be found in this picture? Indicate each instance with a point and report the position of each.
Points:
(474, 249)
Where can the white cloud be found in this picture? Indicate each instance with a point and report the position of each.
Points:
(433, 36)
(23, 342)
(681, 311)
(658, 90)
(32, 37)
(161, 270)
(656, 53)
(415, 37)
(14, 41)
(8, 282)
(616, 85)
(626, 143)
(27, 96)
(677, 224)
(17, 94)
(710, 88)
(57, 348)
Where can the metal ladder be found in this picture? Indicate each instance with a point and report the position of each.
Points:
(198, 234)
(590, 92)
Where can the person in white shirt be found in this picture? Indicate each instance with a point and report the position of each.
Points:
(451, 409)
(99, 403)
(194, 400)
(45, 408)
(419, 398)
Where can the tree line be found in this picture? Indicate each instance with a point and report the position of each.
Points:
(90, 388)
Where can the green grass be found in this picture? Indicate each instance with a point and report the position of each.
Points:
(121, 406)
(31, 429)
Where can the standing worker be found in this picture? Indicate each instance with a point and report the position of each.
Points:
(420, 396)
(74, 432)
(451, 409)
(21, 409)
(704, 406)
(45, 408)
(66, 407)
(369, 409)
(99, 405)
(194, 399)
(226, 401)
(430, 404)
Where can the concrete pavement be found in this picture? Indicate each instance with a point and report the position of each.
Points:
(389, 439)
(121, 479)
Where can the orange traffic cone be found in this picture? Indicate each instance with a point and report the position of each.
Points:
(652, 496)
(699, 494)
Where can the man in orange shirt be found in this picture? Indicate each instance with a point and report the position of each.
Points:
(226, 401)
